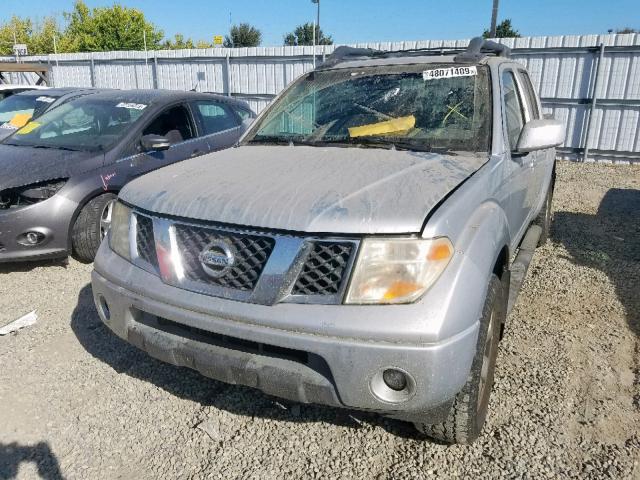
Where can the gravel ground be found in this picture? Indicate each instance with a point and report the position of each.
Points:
(77, 402)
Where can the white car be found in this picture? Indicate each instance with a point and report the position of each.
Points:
(8, 90)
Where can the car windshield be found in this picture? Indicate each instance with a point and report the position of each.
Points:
(17, 110)
(86, 123)
(413, 107)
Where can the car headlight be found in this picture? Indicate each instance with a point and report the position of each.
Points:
(397, 270)
(119, 231)
(30, 194)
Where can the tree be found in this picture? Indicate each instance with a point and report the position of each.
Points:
(90, 30)
(627, 30)
(243, 35)
(503, 30)
(303, 35)
(177, 43)
(37, 36)
(108, 28)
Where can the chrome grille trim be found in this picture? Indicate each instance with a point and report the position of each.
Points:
(275, 281)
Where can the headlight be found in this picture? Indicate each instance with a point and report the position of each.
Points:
(397, 270)
(30, 194)
(119, 232)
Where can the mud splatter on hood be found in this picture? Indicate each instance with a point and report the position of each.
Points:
(306, 189)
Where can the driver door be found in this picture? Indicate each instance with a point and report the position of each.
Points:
(177, 125)
(520, 167)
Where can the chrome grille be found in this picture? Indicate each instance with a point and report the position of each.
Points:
(250, 253)
(325, 269)
(145, 240)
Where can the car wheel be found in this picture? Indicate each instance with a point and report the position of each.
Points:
(92, 226)
(545, 216)
(469, 410)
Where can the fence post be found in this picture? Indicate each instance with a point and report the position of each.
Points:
(594, 101)
(92, 68)
(50, 73)
(154, 73)
(228, 75)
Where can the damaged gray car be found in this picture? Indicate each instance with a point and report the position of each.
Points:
(360, 248)
(61, 172)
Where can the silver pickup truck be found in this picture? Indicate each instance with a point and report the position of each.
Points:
(358, 248)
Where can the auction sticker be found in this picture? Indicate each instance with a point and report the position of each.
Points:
(438, 73)
(134, 106)
(45, 99)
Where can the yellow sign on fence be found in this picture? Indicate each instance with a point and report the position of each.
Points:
(218, 40)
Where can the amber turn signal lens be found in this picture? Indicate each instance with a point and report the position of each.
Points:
(440, 251)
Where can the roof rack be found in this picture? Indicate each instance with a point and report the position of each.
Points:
(477, 49)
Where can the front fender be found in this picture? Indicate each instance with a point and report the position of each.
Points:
(464, 283)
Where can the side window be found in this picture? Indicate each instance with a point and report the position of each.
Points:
(514, 117)
(174, 123)
(531, 95)
(216, 117)
(242, 113)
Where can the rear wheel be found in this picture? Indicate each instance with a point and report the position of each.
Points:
(91, 226)
(469, 410)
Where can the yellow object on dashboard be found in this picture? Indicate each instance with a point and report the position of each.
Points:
(20, 119)
(394, 125)
(28, 128)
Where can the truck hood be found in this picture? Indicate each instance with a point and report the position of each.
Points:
(306, 189)
(26, 165)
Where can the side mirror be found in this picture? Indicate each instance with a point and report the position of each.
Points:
(154, 143)
(540, 134)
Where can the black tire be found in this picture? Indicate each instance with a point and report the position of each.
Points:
(545, 217)
(89, 229)
(469, 410)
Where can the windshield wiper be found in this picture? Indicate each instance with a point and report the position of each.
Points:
(393, 144)
(354, 142)
(421, 148)
(53, 147)
(270, 140)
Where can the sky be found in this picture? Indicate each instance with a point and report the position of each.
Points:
(351, 21)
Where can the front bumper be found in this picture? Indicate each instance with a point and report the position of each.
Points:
(51, 218)
(258, 346)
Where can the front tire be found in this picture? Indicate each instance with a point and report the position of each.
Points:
(91, 227)
(469, 410)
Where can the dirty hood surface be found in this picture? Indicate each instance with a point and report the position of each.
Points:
(25, 165)
(306, 189)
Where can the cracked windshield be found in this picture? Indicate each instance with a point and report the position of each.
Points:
(415, 107)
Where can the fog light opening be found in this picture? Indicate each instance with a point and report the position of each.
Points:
(392, 385)
(394, 379)
(31, 239)
(104, 308)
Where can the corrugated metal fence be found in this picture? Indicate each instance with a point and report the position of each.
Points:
(590, 82)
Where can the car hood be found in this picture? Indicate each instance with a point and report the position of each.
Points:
(306, 189)
(26, 165)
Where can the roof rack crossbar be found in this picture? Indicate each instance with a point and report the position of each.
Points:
(479, 48)
(345, 54)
